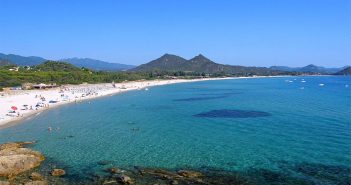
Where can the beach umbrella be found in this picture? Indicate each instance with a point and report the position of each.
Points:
(14, 108)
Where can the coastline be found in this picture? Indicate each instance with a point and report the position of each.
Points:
(71, 94)
(74, 94)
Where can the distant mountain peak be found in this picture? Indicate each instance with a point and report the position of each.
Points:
(97, 64)
(309, 68)
(200, 56)
(167, 55)
(201, 59)
(312, 65)
(21, 60)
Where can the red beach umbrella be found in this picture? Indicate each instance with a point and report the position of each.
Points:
(14, 108)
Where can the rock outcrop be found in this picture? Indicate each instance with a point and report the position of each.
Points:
(124, 179)
(58, 172)
(36, 176)
(15, 159)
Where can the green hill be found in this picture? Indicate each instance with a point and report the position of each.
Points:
(166, 62)
(56, 66)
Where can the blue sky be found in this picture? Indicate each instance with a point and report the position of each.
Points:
(245, 32)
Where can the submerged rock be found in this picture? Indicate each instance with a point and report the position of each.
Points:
(15, 159)
(174, 182)
(104, 162)
(228, 113)
(58, 172)
(163, 174)
(114, 170)
(190, 174)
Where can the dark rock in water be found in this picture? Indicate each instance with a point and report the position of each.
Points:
(227, 113)
(163, 174)
(221, 94)
(58, 172)
(135, 129)
(104, 162)
(201, 98)
(325, 172)
(231, 163)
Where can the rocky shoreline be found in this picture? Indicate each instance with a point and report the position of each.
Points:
(20, 165)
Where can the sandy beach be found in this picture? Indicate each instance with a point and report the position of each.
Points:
(20, 104)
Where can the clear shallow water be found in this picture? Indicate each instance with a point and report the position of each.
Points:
(162, 127)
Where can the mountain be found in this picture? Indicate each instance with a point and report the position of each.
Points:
(346, 71)
(199, 64)
(284, 68)
(97, 65)
(317, 69)
(202, 64)
(5, 63)
(21, 60)
(309, 68)
(80, 62)
(166, 62)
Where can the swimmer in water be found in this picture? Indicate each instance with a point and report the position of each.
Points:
(49, 129)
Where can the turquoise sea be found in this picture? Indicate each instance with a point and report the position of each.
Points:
(286, 127)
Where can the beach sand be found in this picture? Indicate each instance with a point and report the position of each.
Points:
(32, 102)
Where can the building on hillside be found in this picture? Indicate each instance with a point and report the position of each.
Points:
(44, 86)
(14, 69)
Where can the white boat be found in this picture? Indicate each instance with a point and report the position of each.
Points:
(321, 85)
